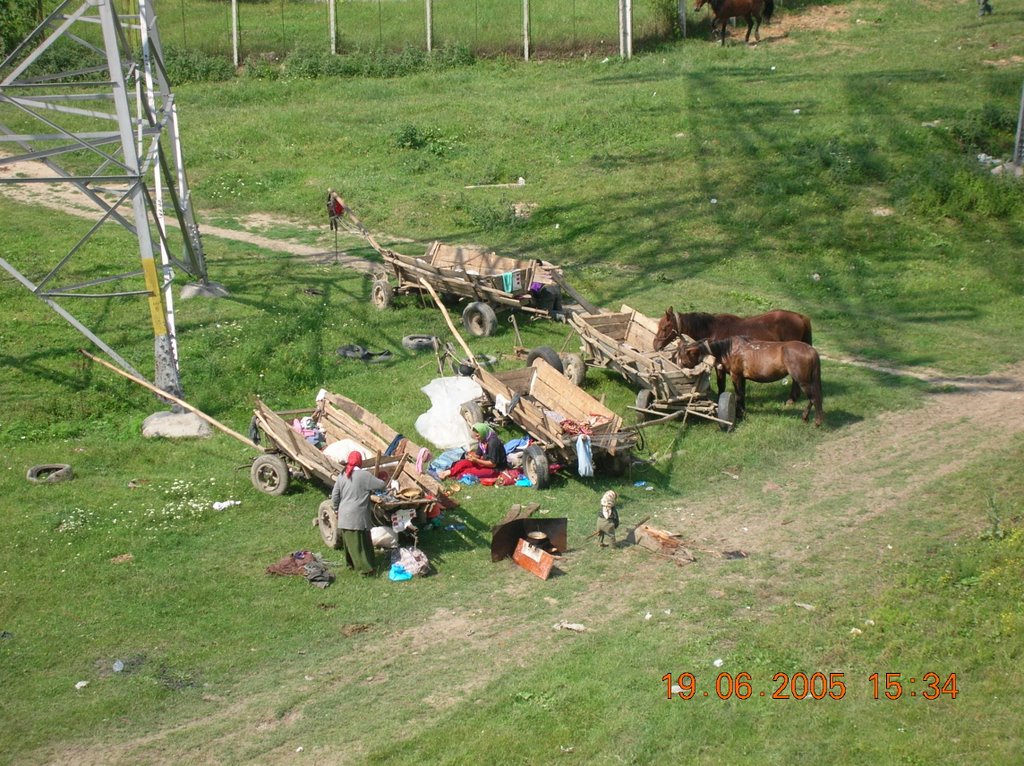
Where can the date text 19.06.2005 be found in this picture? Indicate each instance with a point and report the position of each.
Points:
(798, 686)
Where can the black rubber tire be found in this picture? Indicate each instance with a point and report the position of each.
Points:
(472, 413)
(50, 473)
(381, 294)
(546, 353)
(535, 466)
(574, 368)
(419, 342)
(269, 474)
(644, 400)
(463, 369)
(327, 521)
(479, 319)
(727, 410)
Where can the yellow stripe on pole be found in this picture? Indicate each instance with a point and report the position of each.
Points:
(156, 304)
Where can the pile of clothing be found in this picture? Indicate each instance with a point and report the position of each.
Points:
(311, 431)
(304, 564)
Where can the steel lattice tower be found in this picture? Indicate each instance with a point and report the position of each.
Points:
(108, 128)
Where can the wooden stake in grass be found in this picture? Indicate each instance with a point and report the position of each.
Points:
(176, 400)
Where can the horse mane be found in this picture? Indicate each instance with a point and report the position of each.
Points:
(696, 324)
(721, 348)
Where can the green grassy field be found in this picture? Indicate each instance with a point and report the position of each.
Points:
(889, 541)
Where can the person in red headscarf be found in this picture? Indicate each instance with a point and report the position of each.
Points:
(350, 499)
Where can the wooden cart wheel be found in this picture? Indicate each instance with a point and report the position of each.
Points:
(472, 413)
(727, 410)
(269, 474)
(535, 466)
(327, 520)
(479, 319)
(546, 353)
(644, 400)
(574, 368)
(381, 294)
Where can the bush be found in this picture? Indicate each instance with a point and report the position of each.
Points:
(486, 215)
(17, 18)
(304, 64)
(429, 139)
(195, 66)
(988, 129)
(961, 193)
(262, 66)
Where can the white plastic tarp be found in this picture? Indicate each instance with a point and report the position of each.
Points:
(442, 425)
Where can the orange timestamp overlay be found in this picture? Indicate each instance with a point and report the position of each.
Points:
(817, 686)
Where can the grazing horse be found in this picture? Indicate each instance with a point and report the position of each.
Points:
(762, 361)
(750, 10)
(775, 325)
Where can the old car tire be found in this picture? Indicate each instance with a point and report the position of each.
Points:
(644, 401)
(419, 342)
(546, 353)
(574, 368)
(50, 473)
(269, 474)
(327, 520)
(535, 466)
(381, 294)
(479, 319)
(472, 413)
(727, 410)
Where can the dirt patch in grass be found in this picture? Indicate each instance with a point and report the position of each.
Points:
(1009, 61)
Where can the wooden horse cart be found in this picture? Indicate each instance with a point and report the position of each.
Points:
(624, 342)
(488, 281)
(289, 453)
(553, 412)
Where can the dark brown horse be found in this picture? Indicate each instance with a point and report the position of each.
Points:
(775, 325)
(762, 361)
(751, 10)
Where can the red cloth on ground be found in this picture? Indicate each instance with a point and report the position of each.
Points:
(462, 467)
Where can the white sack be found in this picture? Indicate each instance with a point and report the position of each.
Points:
(383, 537)
(339, 450)
(442, 425)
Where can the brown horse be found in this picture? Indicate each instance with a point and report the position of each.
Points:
(762, 361)
(775, 325)
(751, 10)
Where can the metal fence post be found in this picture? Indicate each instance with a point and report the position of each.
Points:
(526, 30)
(1018, 144)
(430, 26)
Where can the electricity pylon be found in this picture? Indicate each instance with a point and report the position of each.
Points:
(109, 128)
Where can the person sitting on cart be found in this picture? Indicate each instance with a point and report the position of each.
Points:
(350, 499)
(485, 461)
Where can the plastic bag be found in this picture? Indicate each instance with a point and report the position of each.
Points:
(442, 425)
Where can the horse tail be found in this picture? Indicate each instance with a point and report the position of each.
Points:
(807, 325)
(769, 8)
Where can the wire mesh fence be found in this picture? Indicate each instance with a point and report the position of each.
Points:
(486, 27)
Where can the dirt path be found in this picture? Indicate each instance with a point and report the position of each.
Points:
(69, 200)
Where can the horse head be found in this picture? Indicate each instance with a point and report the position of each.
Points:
(667, 330)
(690, 354)
(700, 4)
